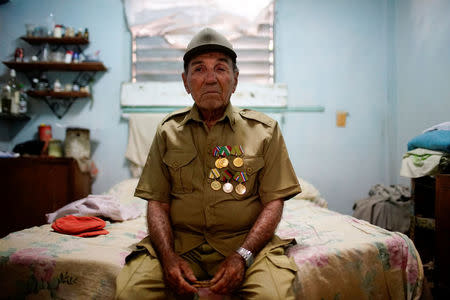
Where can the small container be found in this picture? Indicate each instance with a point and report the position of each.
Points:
(70, 32)
(75, 87)
(55, 148)
(57, 87)
(58, 31)
(76, 57)
(68, 87)
(68, 57)
(30, 29)
(45, 132)
(18, 55)
(45, 135)
(77, 143)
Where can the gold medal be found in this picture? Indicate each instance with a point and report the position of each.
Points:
(240, 189)
(218, 163)
(227, 187)
(224, 162)
(215, 185)
(238, 162)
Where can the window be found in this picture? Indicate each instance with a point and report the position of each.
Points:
(161, 30)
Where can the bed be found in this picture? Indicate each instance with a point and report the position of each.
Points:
(339, 257)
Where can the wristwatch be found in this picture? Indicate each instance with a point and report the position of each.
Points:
(247, 255)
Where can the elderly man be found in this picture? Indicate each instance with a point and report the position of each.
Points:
(215, 179)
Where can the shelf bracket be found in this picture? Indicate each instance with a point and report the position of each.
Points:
(58, 106)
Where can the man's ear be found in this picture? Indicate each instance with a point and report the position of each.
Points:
(186, 87)
(236, 75)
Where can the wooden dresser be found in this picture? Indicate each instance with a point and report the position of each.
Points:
(30, 187)
(430, 229)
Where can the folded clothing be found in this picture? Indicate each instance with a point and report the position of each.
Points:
(420, 162)
(107, 206)
(438, 140)
(80, 226)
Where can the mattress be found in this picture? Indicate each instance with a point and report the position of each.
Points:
(339, 257)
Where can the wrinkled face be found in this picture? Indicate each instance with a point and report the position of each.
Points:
(210, 80)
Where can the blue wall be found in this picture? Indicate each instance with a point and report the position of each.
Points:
(382, 61)
(422, 68)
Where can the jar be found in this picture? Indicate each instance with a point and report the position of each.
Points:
(55, 148)
(77, 143)
(68, 57)
(58, 31)
(57, 87)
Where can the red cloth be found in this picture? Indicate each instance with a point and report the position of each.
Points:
(80, 226)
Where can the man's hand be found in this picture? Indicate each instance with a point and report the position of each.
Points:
(229, 276)
(176, 271)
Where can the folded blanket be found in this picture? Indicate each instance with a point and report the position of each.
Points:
(438, 140)
(97, 205)
(420, 162)
(80, 226)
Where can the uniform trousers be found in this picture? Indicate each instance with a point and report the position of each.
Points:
(270, 277)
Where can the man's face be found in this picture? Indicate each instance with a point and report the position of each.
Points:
(210, 80)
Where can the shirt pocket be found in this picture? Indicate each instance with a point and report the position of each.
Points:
(251, 167)
(181, 169)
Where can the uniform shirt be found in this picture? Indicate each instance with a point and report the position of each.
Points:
(181, 159)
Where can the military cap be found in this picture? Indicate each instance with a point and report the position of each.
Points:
(208, 40)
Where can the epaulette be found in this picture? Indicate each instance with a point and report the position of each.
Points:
(176, 113)
(258, 116)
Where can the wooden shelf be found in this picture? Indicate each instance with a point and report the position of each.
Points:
(53, 94)
(34, 40)
(14, 117)
(55, 66)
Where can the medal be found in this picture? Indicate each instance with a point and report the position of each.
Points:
(240, 177)
(238, 162)
(218, 163)
(240, 189)
(215, 185)
(227, 188)
(214, 174)
(238, 151)
(224, 162)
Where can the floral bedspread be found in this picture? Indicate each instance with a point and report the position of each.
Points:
(339, 257)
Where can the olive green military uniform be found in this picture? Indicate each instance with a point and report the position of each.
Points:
(179, 171)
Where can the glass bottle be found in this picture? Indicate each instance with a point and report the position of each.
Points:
(23, 101)
(15, 93)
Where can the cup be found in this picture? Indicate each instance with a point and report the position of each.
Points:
(30, 29)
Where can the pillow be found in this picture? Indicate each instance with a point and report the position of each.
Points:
(124, 191)
(438, 140)
(310, 193)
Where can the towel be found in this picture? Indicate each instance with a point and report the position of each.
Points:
(438, 140)
(97, 205)
(141, 130)
(80, 226)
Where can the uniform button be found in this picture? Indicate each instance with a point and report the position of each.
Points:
(249, 169)
(175, 164)
(243, 113)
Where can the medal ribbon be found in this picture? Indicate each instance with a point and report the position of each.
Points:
(225, 150)
(226, 175)
(240, 176)
(237, 150)
(216, 150)
(214, 173)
